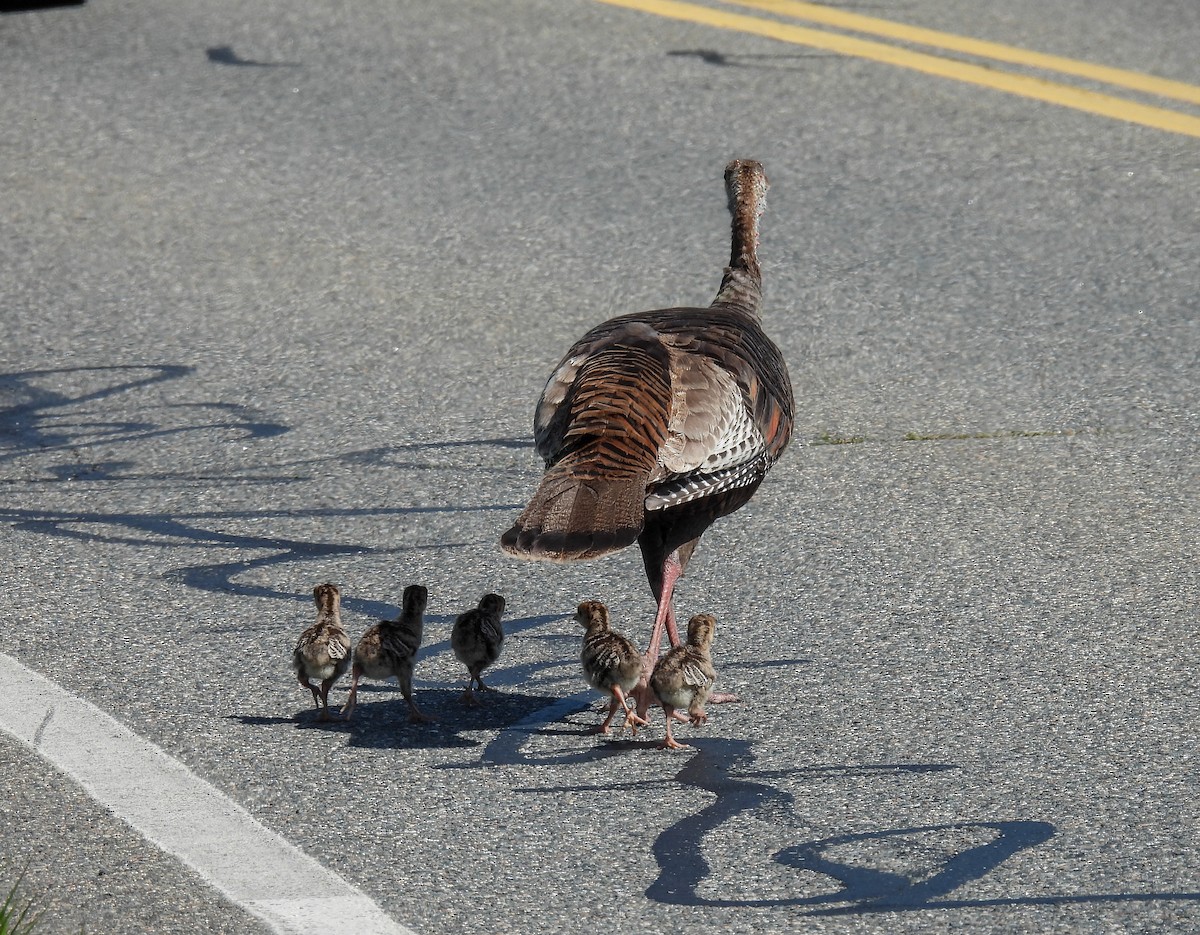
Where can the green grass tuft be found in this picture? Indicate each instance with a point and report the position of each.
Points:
(14, 918)
(954, 436)
(828, 438)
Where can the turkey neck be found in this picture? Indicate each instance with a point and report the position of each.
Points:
(746, 189)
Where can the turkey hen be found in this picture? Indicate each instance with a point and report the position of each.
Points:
(654, 425)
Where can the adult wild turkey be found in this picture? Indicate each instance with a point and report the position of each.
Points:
(656, 424)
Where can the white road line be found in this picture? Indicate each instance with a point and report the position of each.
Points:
(182, 814)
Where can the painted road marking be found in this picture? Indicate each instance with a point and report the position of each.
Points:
(1028, 86)
(182, 814)
(980, 48)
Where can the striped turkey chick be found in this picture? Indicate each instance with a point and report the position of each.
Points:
(477, 640)
(611, 664)
(655, 425)
(684, 677)
(323, 651)
(389, 648)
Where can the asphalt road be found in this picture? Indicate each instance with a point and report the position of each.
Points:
(280, 283)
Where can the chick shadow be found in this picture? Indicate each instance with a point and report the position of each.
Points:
(385, 724)
(573, 716)
(381, 717)
(574, 719)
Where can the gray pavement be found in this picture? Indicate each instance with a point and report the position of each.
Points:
(279, 285)
(85, 869)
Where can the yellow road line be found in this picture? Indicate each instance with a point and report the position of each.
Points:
(1039, 89)
(1134, 81)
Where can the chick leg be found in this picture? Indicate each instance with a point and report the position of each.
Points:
(669, 742)
(632, 720)
(602, 727)
(414, 713)
(352, 699)
(303, 680)
(326, 684)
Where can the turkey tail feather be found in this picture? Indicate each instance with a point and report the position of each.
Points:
(571, 518)
(592, 498)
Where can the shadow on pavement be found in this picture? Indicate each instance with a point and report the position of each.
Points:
(31, 6)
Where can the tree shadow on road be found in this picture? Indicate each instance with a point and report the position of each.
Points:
(775, 62)
(183, 532)
(33, 6)
(64, 414)
(39, 417)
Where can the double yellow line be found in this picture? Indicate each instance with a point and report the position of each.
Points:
(1023, 85)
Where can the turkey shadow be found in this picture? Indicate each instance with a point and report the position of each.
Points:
(868, 890)
(709, 766)
(720, 769)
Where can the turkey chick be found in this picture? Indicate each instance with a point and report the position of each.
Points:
(323, 651)
(477, 639)
(390, 648)
(611, 664)
(684, 677)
